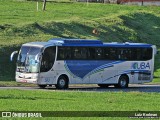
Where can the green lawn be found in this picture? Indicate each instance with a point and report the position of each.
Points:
(21, 13)
(13, 100)
(27, 100)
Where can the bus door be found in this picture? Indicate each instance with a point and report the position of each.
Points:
(47, 61)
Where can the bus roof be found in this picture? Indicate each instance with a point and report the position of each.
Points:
(84, 42)
(37, 44)
(98, 43)
(75, 41)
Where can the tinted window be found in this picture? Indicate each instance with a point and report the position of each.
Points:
(104, 53)
(124, 53)
(98, 53)
(91, 53)
(71, 53)
(110, 54)
(147, 54)
(48, 58)
(141, 54)
(64, 53)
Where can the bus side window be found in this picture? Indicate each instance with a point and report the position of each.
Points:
(91, 54)
(76, 53)
(98, 53)
(124, 54)
(67, 53)
(133, 54)
(147, 53)
(113, 54)
(84, 53)
(138, 54)
(106, 52)
(60, 55)
(80, 53)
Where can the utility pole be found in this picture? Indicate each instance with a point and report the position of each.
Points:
(142, 2)
(44, 5)
(37, 5)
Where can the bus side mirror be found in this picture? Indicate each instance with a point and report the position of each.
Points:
(12, 55)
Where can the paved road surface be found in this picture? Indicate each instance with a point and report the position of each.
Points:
(94, 88)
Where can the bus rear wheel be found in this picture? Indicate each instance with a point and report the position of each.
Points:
(62, 83)
(123, 82)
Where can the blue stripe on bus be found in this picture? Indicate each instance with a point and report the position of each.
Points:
(136, 71)
(129, 72)
(84, 68)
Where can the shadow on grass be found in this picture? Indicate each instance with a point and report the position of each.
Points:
(32, 98)
(138, 27)
(7, 68)
(145, 25)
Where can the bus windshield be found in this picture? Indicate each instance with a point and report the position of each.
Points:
(28, 59)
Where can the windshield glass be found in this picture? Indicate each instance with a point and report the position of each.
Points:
(28, 59)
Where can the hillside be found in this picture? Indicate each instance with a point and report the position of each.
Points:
(20, 22)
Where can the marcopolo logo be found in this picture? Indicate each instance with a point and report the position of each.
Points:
(141, 65)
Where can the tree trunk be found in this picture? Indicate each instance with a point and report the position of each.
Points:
(44, 5)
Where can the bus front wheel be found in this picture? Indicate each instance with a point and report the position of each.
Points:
(62, 83)
(123, 82)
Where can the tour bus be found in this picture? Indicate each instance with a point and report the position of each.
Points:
(61, 62)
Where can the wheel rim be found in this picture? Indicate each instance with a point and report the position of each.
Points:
(62, 82)
(123, 82)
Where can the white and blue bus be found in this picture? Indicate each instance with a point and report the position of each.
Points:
(61, 62)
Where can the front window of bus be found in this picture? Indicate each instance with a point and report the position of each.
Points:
(28, 59)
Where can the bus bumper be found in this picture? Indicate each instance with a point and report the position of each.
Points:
(26, 78)
(33, 81)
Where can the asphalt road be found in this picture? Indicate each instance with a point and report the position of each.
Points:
(95, 88)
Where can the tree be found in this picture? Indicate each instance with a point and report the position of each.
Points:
(44, 5)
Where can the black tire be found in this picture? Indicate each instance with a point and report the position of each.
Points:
(62, 83)
(42, 86)
(103, 85)
(123, 82)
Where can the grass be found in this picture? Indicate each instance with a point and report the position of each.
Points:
(39, 100)
(25, 12)
(14, 84)
(20, 22)
(26, 100)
